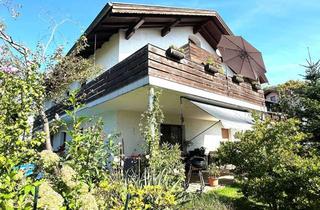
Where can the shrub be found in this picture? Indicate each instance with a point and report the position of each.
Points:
(271, 168)
(168, 159)
(213, 170)
(20, 91)
(48, 198)
(147, 192)
(165, 157)
(90, 151)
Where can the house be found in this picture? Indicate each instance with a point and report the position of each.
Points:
(201, 108)
(272, 98)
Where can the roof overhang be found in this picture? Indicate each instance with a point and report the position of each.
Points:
(130, 17)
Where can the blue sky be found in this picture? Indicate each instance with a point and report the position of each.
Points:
(281, 29)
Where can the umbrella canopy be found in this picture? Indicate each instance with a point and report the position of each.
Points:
(242, 57)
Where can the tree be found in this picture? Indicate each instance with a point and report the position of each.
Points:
(60, 71)
(20, 91)
(271, 168)
(301, 100)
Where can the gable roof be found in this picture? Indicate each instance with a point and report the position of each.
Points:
(130, 17)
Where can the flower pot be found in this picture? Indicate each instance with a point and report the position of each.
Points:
(213, 181)
(256, 86)
(211, 69)
(174, 53)
(238, 78)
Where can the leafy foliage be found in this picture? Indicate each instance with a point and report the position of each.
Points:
(161, 157)
(213, 170)
(90, 151)
(301, 100)
(62, 70)
(146, 192)
(270, 166)
(167, 159)
(20, 91)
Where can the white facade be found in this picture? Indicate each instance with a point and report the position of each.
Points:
(119, 48)
(121, 113)
(126, 123)
(178, 36)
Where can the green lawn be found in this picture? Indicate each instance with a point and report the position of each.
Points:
(232, 196)
(227, 198)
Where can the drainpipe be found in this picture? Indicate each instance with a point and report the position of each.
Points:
(184, 146)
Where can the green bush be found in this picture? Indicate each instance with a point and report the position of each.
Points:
(271, 168)
(164, 157)
(147, 192)
(90, 151)
(168, 159)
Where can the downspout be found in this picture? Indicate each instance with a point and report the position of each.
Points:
(183, 143)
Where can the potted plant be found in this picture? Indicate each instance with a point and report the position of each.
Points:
(209, 66)
(256, 85)
(238, 78)
(175, 52)
(214, 173)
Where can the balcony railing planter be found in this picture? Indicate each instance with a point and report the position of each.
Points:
(238, 78)
(256, 85)
(210, 68)
(175, 53)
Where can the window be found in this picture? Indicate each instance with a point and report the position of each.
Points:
(225, 133)
(273, 98)
(171, 134)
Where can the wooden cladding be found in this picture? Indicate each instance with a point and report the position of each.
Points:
(192, 74)
(127, 71)
(201, 56)
(152, 61)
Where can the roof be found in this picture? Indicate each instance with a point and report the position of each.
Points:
(131, 17)
(271, 89)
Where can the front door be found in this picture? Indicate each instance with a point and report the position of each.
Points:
(171, 134)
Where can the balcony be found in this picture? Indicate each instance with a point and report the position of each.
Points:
(152, 61)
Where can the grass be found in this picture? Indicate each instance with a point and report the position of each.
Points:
(228, 197)
(204, 201)
(232, 196)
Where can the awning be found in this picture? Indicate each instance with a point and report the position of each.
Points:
(229, 118)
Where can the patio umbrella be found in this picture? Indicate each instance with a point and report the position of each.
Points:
(242, 57)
